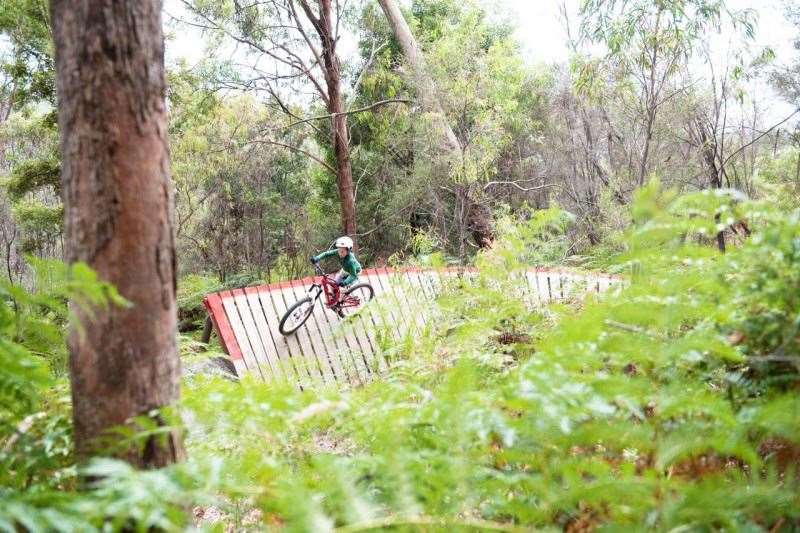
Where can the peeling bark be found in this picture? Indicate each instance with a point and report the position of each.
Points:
(118, 216)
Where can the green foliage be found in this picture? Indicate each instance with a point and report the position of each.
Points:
(631, 413)
(32, 175)
(629, 28)
(659, 405)
(425, 249)
(779, 178)
(33, 184)
(28, 62)
(765, 314)
(35, 426)
(669, 403)
(41, 224)
(28, 131)
(36, 320)
(241, 203)
(191, 290)
(536, 236)
(491, 99)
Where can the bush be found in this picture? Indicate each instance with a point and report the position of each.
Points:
(630, 413)
(647, 408)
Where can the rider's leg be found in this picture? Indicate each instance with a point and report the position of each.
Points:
(339, 277)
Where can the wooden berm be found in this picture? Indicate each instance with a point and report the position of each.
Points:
(327, 350)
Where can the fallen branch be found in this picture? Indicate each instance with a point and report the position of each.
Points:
(518, 186)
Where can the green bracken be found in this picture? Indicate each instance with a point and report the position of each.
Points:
(668, 403)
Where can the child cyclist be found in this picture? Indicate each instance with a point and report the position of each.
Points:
(350, 265)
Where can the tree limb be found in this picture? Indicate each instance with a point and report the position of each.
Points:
(364, 69)
(295, 149)
(518, 186)
(351, 112)
(759, 137)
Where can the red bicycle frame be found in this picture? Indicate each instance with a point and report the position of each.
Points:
(326, 283)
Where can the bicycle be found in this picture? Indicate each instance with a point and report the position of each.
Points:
(344, 304)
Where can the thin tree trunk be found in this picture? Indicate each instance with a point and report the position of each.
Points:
(797, 172)
(647, 140)
(118, 218)
(341, 137)
(423, 81)
(652, 103)
(474, 212)
(720, 235)
(208, 327)
(323, 25)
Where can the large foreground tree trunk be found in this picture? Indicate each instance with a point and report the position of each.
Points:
(118, 216)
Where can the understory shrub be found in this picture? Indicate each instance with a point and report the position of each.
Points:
(669, 403)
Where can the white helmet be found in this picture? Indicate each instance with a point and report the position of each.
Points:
(344, 242)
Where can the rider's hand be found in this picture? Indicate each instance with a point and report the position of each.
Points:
(313, 260)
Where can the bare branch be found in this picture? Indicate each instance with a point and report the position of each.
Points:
(298, 62)
(373, 53)
(518, 186)
(759, 137)
(351, 112)
(285, 108)
(294, 61)
(295, 149)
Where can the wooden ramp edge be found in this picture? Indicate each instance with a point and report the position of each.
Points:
(327, 350)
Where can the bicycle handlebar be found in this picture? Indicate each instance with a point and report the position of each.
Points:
(319, 270)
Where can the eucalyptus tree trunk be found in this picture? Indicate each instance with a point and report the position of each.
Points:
(324, 26)
(474, 215)
(341, 137)
(118, 218)
(422, 79)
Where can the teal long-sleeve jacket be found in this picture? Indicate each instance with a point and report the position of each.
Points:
(349, 264)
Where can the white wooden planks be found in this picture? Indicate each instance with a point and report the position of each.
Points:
(330, 351)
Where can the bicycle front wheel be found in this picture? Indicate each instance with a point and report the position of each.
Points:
(296, 316)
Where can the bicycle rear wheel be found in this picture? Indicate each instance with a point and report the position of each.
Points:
(355, 298)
